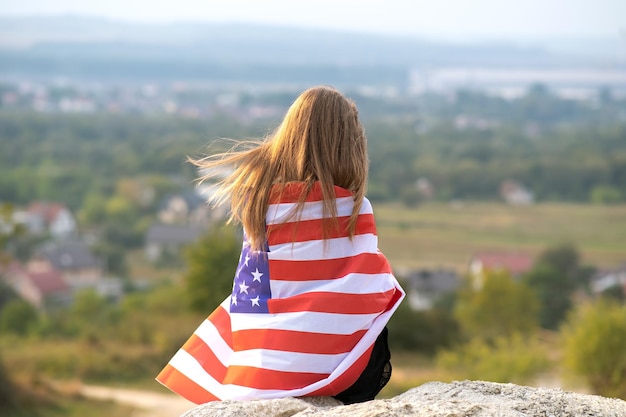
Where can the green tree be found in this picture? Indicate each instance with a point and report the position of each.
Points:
(557, 273)
(423, 331)
(500, 307)
(605, 194)
(17, 317)
(211, 264)
(594, 344)
(514, 358)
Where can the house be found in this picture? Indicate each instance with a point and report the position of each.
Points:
(424, 287)
(187, 207)
(514, 263)
(162, 239)
(42, 289)
(514, 193)
(74, 260)
(608, 279)
(46, 217)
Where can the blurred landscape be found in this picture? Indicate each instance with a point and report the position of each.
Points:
(497, 175)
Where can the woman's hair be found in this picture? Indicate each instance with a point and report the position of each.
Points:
(320, 139)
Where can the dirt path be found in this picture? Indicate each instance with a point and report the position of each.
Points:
(148, 403)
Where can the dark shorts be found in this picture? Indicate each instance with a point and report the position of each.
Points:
(374, 377)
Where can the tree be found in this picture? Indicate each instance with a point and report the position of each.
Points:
(17, 317)
(501, 307)
(556, 275)
(423, 331)
(211, 264)
(594, 343)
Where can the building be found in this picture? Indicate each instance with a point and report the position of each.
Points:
(44, 217)
(169, 239)
(609, 279)
(74, 260)
(43, 289)
(424, 287)
(515, 264)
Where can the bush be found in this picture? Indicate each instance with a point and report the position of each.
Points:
(594, 344)
(423, 331)
(18, 317)
(516, 359)
(500, 307)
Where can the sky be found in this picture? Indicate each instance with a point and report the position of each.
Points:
(443, 19)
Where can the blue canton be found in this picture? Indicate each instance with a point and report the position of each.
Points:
(251, 288)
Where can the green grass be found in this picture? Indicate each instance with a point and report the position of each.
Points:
(447, 235)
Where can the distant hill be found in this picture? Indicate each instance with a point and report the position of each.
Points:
(86, 47)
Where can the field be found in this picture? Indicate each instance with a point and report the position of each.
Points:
(447, 235)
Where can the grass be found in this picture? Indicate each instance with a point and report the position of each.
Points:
(447, 235)
(35, 397)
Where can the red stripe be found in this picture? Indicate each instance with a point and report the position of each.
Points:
(292, 193)
(306, 230)
(346, 379)
(332, 302)
(295, 341)
(221, 320)
(183, 386)
(197, 348)
(325, 269)
(260, 378)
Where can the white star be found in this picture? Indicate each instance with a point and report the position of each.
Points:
(233, 300)
(257, 275)
(255, 301)
(247, 259)
(243, 287)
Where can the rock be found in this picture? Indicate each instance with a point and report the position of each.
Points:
(434, 399)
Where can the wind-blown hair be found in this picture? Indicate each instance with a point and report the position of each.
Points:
(320, 139)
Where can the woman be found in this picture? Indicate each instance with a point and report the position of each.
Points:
(312, 293)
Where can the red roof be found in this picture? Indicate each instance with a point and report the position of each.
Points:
(49, 211)
(515, 263)
(47, 281)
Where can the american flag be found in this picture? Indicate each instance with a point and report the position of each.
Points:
(303, 314)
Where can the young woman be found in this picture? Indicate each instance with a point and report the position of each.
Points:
(312, 293)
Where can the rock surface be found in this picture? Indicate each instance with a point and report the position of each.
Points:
(434, 399)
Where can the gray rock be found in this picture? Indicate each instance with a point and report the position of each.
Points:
(434, 399)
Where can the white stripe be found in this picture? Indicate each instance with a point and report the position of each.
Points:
(308, 321)
(350, 284)
(283, 212)
(313, 250)
(278, 360)
(209, 334)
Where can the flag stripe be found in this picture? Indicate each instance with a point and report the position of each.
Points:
(293, 192)
(342, 247)
(207, 358)
(367, 283)
(284, 212)
(314, 230)
(305, 342)
(313, 322)
(332, 302)
(347, 377)
(280, 360)
(326, 269)
(182, 385)
(260, 378)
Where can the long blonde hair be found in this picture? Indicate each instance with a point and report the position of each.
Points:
(320, 139)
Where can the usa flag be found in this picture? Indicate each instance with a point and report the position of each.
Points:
(303, 314)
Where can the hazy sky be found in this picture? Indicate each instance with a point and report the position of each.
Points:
(452, 19)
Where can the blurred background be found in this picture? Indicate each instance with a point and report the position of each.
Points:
(497, 139)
